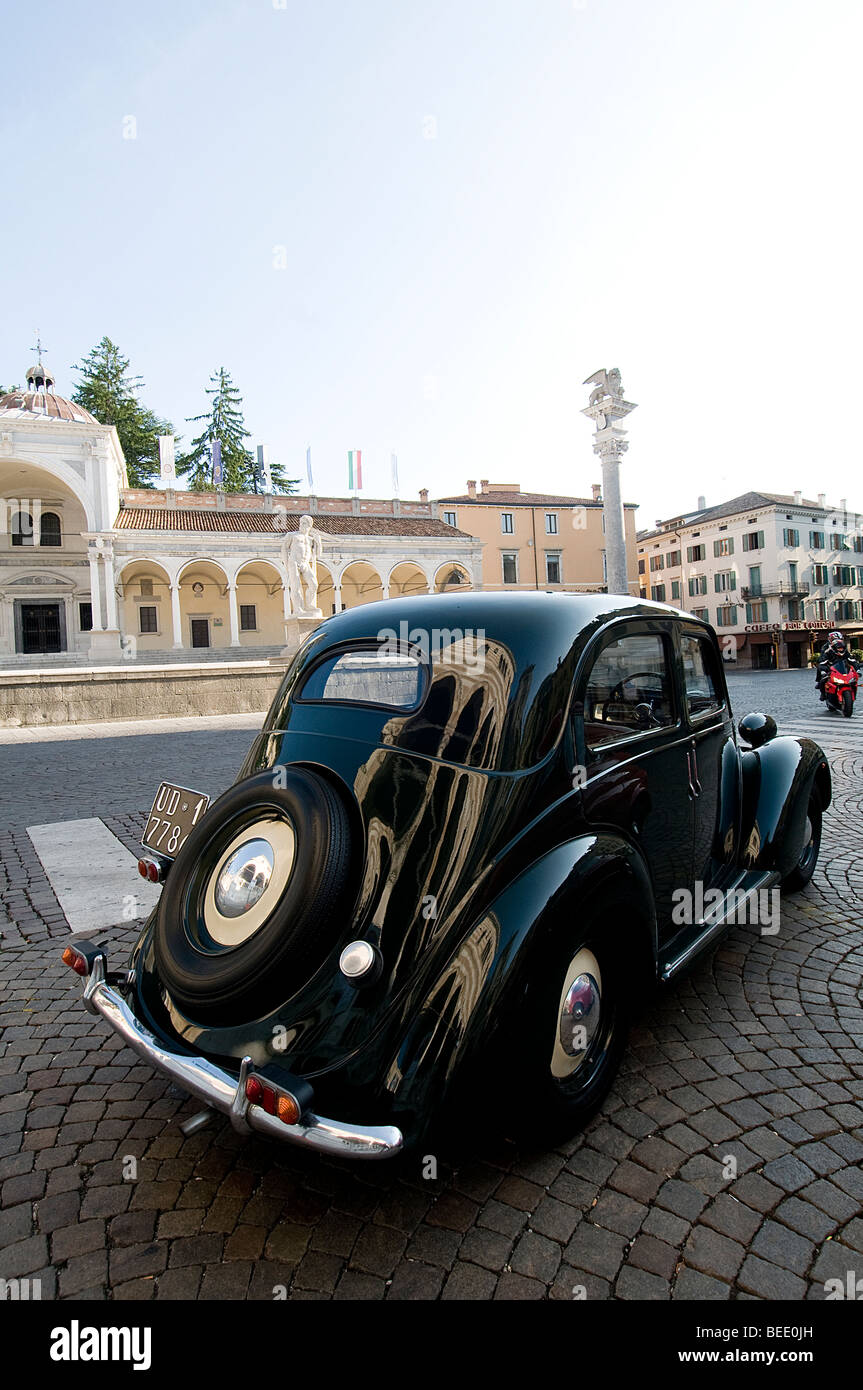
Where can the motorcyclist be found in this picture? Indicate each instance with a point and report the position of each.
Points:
(834, 649)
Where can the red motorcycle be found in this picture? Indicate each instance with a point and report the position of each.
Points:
(840, 687)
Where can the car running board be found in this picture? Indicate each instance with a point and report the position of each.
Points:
(736, 899)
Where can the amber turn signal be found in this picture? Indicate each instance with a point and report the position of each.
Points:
(287, 1110)
(75, 960)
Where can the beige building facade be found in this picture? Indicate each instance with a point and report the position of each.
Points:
(537, 540)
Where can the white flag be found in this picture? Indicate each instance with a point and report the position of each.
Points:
(167, 467)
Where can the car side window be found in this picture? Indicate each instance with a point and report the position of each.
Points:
(629, 690)
(702, 694)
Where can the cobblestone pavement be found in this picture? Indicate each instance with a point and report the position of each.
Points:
(756, 1056)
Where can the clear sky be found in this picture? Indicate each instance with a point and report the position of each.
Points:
(417, 227)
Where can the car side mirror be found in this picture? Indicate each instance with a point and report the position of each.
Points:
(756, 729)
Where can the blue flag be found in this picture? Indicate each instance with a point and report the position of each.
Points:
(218, 471)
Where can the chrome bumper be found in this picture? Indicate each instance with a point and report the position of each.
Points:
(222, 1091)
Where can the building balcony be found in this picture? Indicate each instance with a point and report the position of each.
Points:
(771, 588)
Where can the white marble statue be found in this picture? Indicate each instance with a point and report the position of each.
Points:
(301, 554)
(605, 384)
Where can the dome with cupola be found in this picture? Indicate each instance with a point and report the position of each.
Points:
(38, 398)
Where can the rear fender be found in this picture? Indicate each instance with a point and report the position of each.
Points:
(778, 779)
(488, 971)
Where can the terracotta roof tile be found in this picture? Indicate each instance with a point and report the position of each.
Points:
(264, 523)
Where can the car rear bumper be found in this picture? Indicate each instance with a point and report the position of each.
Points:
(220, 1090)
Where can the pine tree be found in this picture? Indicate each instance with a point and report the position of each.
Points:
(224, 422)
(109, 393)
(8, 390)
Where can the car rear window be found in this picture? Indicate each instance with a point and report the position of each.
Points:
(387, 679)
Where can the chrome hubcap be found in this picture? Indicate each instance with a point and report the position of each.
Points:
(579, 1014)
(250, 880)
(244, 878)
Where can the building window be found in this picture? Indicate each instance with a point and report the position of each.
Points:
(552, 567)
(672, 560)
(795, 610)
(842, 575)
(148, 619)
(701, 614)
(449, 518)
(756, 612)
(49, 529)
(819, 610)
(657, 562)
(724, 580)
(642, 593)
(858, 544)
(642, 566)
(22, 528)
(694, 553)
(657, 593)
(85, 617)
(816, 540)
(675, 591)
(724, 546)
(819, 574)
(838, 541)
(726, 616)
(792, 574)
(510, 567)
(551, 523)
(697, 585)
(248, 617)
(506, 523)
(790, 536)
(755, 579)
(753, 540)
(846, 610)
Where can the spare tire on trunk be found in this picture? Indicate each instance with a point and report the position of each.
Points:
(255, 898)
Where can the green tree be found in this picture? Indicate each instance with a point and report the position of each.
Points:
(224, 421)
(109, 393)
(7, 390)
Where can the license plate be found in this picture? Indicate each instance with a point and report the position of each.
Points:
(176, 810)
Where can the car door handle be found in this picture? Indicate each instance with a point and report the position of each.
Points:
(692, 764)
(695, 788)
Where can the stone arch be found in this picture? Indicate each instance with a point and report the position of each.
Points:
(205, 618)
(360, 583)
(407, 577)
(444, 581)
(260, 602)
(60, 472)
(144, 583)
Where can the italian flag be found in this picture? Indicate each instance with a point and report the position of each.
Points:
(355, 469)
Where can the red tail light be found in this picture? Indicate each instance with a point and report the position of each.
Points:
(282, 1104)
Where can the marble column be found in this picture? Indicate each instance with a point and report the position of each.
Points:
(176, 620)
(234, 615)
(96, 595)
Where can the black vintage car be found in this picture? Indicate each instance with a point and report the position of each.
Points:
(472, 833)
